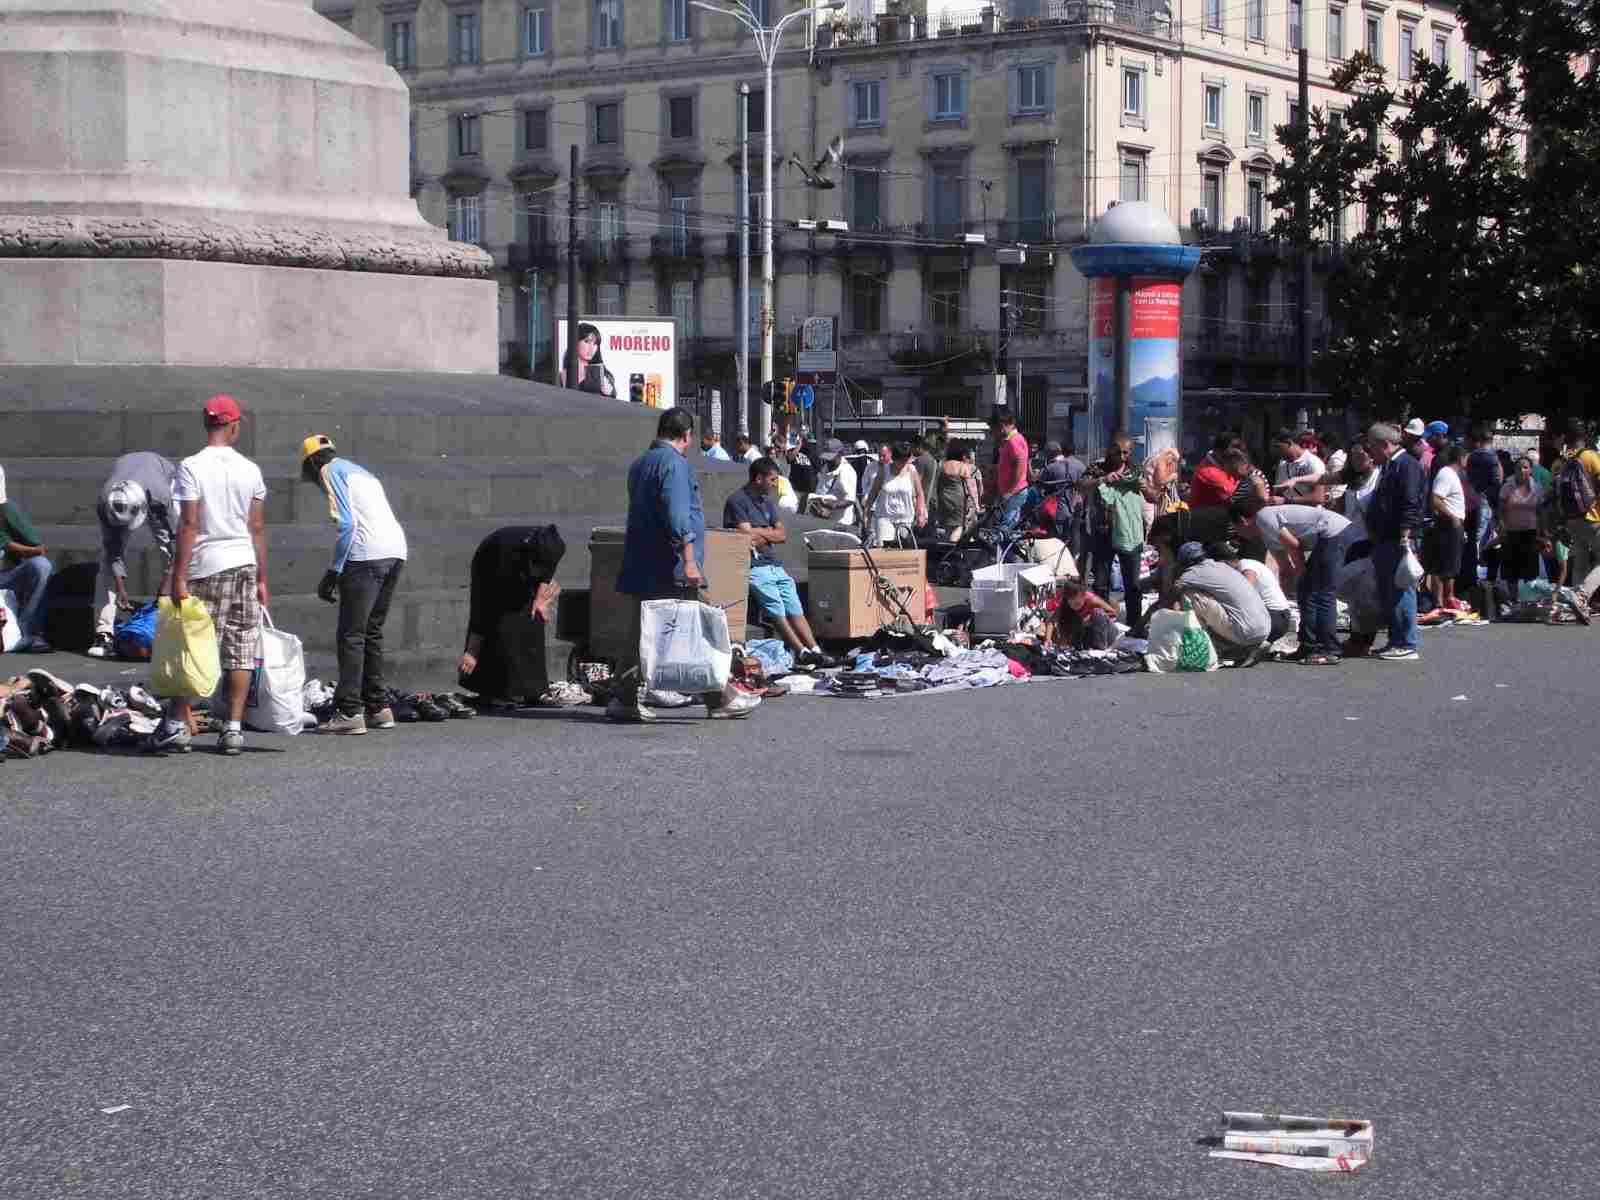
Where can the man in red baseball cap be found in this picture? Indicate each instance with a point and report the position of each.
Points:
(222, 409)
(221, 560)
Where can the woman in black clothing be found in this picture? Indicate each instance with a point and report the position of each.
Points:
(513, 590)
(592, 373)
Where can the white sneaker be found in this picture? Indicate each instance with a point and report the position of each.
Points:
(102, 646)
(629, 714)
(563, 694)
(736, 702)
(1397, 654)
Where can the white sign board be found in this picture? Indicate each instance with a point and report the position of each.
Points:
(629, 358)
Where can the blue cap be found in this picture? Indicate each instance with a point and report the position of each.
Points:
(1439, 427)
(1190, 553)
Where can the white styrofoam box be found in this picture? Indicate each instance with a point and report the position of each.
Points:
(996, 594)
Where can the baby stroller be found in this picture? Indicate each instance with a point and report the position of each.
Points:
(988, 543)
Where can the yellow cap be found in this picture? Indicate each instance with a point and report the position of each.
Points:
(317, 441)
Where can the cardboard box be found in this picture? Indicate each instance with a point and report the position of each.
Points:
(999, 594)
(844, 602)
(727, 568)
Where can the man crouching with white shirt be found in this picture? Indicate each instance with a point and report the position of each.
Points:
(221, 560)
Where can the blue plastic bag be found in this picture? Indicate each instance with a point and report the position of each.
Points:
(135, 634)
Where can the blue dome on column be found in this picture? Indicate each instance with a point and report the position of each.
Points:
(1135, 238)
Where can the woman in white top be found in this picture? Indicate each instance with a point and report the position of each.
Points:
(1446, 541)
(896, 502)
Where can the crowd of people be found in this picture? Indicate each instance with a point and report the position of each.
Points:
(1405, 525)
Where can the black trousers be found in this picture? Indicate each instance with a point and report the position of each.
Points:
(365, 590)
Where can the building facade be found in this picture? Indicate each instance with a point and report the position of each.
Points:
(979, 144)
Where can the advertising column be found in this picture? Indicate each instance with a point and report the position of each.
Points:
(1102, 360)
(1154, 327)
(626, 358)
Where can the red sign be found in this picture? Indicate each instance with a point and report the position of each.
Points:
(1157, 306)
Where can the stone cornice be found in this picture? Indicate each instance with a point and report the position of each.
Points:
(214, 241)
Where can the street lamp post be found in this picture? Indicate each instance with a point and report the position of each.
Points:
(767, 47)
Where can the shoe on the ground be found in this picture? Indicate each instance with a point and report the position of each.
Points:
(102, 646)
(345, 725)
(380, 718)
(34, 645)
(735, 702)
(405, 710)
(142, 701)
(629, 714)
(1398, 654)
(1579, 607)
(453, 707)
(170, 737)
(230, 742)
(47, 684)
(818, 660)
(562, 694)
(429, 710)
(773, 690)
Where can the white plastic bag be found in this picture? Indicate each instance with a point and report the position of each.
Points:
(1165, 640)
(277, 693)
(684, 647)
(1408, 572)
(10, 632)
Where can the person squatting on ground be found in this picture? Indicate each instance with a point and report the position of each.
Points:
(751, 511)
(513, 593)
(1225, 602)
(136, 495)
(663, 558)
(221, 560)
(1264, 581)
(25, 570)
(1084, 621)
(368, 557)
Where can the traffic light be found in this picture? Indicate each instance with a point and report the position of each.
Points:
(788, 394)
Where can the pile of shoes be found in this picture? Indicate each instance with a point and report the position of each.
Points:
(41, 712)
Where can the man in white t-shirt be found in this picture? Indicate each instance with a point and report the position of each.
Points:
(1299, 470)
(835, 497)
(1265, 583)
(221, 560)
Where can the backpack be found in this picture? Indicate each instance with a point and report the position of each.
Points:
(1575, 489)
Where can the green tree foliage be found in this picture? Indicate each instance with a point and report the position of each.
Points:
(1471, 285)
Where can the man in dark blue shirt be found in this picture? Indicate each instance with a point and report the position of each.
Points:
(1394, 514)
(663, 555)
(751, 511)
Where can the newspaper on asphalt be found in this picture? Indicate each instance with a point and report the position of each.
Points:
(1299, 1143)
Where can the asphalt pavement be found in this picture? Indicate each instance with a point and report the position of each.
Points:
(1025, 942)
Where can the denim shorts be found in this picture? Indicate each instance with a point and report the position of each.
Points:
(775, 591)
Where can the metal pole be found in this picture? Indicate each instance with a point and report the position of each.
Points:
(572, 267)
(768, 318)
(744, 259)
(1122, 317)
(1303, 203)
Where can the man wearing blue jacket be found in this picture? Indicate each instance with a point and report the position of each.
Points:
(663, 556)
(1393, 516)
(367, 560)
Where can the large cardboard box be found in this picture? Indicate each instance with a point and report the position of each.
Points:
(727, 568)
(844, 602)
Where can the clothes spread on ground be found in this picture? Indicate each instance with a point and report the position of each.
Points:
(776, 658)
(507, 569)
(368, 531)
(225, 483)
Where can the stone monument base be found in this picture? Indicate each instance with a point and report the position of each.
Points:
(174, 312)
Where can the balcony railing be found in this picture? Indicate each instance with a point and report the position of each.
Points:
(531, 256)
(597, 250)
(1143, 16)
(1034, 231)
(677, 244)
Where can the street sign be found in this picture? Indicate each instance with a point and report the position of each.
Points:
(817, 360)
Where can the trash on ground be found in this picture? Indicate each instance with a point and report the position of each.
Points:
(1299, 1143)
(115, 1109)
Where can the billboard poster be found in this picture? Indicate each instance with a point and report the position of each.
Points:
(1154, 326)
(1102, 418)
(628, 358)
(817, 360)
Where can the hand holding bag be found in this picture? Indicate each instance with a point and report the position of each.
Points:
(1408, 571)
(184, 661)
(684, 647)
(277, 693)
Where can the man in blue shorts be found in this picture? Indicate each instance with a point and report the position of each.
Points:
(751, 510)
